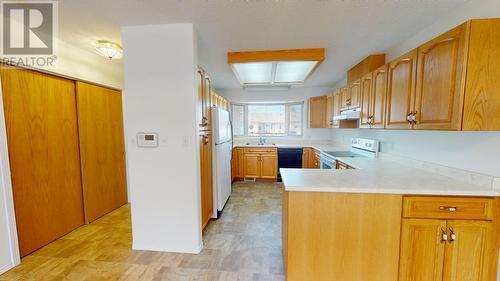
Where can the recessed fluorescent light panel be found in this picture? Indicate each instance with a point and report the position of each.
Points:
(254, 72)
(293, 71)
(274, 68)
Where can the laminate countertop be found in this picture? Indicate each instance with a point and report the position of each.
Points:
(385, 177)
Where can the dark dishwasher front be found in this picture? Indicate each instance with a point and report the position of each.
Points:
(289, 157)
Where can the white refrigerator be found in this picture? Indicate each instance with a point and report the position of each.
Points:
(223, 147)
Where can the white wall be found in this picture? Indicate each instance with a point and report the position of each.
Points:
(84, 64)
(299, 94)
(472, 151)
(473, 9)
(9, 253)
(160, 96)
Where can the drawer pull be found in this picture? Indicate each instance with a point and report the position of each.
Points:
(449, 209)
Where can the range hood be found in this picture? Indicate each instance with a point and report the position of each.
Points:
(348, 114)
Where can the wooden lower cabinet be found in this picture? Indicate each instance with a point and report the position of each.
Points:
(341, 236)
(468, 257)
(258, 163)
(310, 160)
(430, 253)
(205, 138)
(306, 156)
(454, 245)
(251, 164)
(352, 237)
(422, 251)
(237, 163)
(269, 166)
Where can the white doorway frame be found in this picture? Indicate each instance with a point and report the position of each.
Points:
(7, 219)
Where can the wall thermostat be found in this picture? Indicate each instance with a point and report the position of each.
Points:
(147, 139)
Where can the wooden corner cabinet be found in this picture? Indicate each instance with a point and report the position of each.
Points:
(310, 159)
(482, 90)
(318, 112)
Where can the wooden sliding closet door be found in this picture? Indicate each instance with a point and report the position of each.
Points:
(42, 134)
(100, 122)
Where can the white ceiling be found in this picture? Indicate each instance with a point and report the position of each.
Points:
(349, 30)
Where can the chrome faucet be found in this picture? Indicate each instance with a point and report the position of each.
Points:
(262, 141)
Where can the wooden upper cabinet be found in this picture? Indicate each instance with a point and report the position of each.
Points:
(207, 102)
(401, 91)
(354, 93)
(200, 102)
(441, 81)
(317, 112)
(482, 99)
(366, 90)
(204, 100)
(378, 97)
(329, 110)
(422, 251)
(42, 135)
(337, 99)
(102, 149)
(344, 96)
(469, 254)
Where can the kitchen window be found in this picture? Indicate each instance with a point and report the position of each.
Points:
(270, 120)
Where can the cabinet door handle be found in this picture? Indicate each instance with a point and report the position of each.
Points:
(205, 139)
(204, 122)
(453, 235)
(414, 117)
(409, 118)
(444, 235)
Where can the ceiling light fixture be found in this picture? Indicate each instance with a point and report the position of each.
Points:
(266, 88)
(109, 49)
(275, 68)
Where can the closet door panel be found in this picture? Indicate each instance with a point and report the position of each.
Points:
(100, 122)
(42, 133)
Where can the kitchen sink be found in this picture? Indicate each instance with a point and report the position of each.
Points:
(260, 144)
